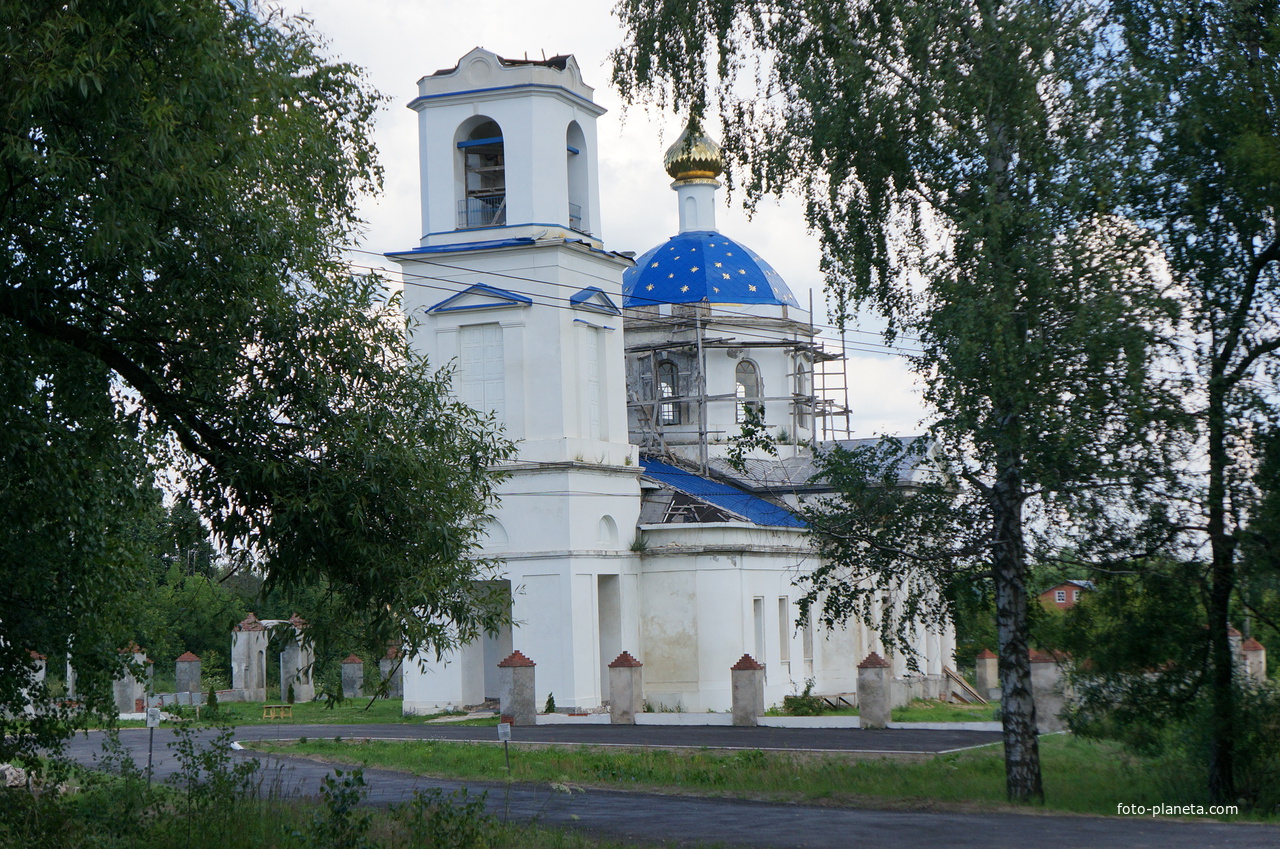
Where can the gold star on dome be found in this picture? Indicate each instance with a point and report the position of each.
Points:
(718, 264)
(726, 276)
(715, 289)
(695, 268)
(649, 287)
(742, 271)
(684, 288)
(669, 276)
(655, 265)
(728, 253)
(693, 249)
(752, 288)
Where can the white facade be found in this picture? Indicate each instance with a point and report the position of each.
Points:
(602, 552)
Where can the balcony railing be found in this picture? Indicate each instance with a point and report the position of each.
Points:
(488, 211)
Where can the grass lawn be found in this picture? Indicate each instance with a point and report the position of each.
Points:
(347, 712)
(1080, 776)
(111, 814)
(923, 711)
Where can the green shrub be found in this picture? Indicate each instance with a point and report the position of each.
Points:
(805, 704)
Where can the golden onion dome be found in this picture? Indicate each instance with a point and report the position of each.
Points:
(693, 157)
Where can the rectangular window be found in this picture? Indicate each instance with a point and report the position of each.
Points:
(806, 638)
(1075, 595)
(481, 377)
(594, 431)
(784, 634)
(1060, 595)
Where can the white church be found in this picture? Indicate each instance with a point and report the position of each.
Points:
(621, 525)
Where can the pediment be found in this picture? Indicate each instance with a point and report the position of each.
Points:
(481, 297)
(593, 299)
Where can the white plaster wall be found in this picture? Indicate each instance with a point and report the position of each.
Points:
(533, 106)
(698, 586)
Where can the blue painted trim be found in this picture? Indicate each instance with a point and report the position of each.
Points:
(572, 149)
(478, 142)
(464, 246)
(509, 299)
(582, 300)
(573, 94)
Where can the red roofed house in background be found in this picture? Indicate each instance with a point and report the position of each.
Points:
(1065, 595)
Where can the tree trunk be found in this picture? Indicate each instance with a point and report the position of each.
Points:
(1017, 708)
(1221, 584)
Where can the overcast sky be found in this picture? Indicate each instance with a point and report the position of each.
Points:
(400, 41)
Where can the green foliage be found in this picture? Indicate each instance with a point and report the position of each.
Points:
(180, 181)
(953, 159)
(752, 436)
(343, 825)
(1196, 85)
(1085, 776)
(436, 820)
(805, 704)
(550, 706)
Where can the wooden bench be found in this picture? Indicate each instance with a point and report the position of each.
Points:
(277, 711)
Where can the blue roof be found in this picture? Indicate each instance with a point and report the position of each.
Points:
(750, 507)
(703, 265)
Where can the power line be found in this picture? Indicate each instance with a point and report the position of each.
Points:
(674, 323)
(523, 279)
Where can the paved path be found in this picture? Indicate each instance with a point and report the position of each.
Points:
(691, 820)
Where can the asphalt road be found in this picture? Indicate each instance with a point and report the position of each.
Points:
(690, 820)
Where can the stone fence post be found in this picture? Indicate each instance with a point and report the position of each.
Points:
(747, 687)
(874, 697)
(352, 677)
(1255, 659)
(186, 673)
(987, 674)
(515, 690)
(626, 689)
(1047, 692)
(391, 667)
(128, 691)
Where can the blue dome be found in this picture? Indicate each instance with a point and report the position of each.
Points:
(703, 265)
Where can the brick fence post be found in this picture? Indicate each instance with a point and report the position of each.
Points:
(515, 690)
(747, 685)
(987, 674)
(1255, 659)
(1047, 692)
(186, 675)
(352, 677)
(874, 702)
(626, 689)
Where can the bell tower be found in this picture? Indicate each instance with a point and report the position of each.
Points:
(511, 285)
(507, 149)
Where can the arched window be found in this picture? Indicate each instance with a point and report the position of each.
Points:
(576, 151)
(668, 411)
(484, 178)
(747, 389)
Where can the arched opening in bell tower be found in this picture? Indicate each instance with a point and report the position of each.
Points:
(483, 172)
(576, 151)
